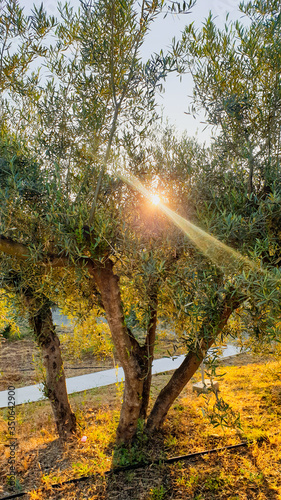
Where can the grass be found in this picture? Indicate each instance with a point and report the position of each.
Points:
(254, 472)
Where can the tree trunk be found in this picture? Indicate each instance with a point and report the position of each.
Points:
(55, 385)
(251, 162)
(148, 355)
(127, 348)
(189, 366)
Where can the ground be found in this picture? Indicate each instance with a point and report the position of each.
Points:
(249, 385)
(20, 363)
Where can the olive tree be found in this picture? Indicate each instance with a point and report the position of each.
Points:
(21, 188)
(98, 101)
(94, 111)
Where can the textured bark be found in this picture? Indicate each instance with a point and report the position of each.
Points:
(127, 349)
(148, 355)
(251, 161)
(55, 384)
(189, 366)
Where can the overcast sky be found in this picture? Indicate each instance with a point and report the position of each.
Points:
(175, 100)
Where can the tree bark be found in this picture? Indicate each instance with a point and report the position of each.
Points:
(251, 161)
(127, 348)
(148, 354)
(55, 385)
(189, 366)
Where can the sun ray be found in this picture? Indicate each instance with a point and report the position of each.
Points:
(219, 253)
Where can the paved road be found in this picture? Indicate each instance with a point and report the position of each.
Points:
(82, 383)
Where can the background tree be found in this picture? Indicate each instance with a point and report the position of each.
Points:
(236, 81)
(236, 75)
(8, 323)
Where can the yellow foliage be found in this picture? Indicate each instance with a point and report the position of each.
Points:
(90, 335)
(6, 315)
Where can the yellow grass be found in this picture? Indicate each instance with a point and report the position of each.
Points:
(253, 472)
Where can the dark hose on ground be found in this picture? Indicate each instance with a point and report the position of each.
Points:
(143, 464)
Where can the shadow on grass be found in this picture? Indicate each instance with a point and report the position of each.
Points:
(52, 453)
(209, 477)
(151, 481)
(262, 484)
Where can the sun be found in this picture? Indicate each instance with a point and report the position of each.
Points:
(155, 199)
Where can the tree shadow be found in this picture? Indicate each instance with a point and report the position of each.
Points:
(264, 487)
(150, 480)
(162, 481)
(52, 453)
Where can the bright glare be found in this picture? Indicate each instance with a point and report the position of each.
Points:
(221, 254)
(155, 199)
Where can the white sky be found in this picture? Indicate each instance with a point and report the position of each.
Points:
(175, 100)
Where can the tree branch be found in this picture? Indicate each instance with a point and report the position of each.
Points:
(11, 247)
(191, 362)
(115, 116)
(23, 252)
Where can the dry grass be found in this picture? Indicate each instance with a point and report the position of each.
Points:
(254, 472)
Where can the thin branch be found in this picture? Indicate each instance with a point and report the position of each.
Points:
(114, 121)
(104, 163)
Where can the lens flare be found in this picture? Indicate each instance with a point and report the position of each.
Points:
(220, 254)
(155, 199)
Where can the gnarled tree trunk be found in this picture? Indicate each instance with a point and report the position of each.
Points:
(40, 316)
(148, 354)
(137, 360)
(127, 348)
(190, 364)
